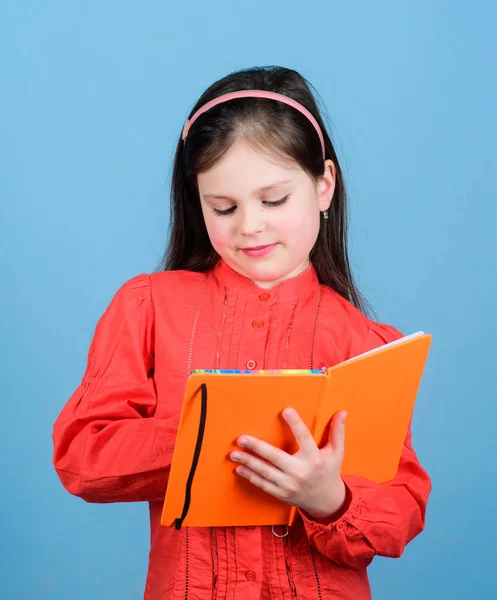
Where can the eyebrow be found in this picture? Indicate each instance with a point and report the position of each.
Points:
(265, 188)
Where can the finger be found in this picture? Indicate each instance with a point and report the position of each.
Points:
(337, 436)
(275, 456)
(301, 432)
(261, 467)
(260, 482)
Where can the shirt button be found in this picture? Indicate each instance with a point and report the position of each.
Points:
(251, 364)
(339, 526)
(264, 296)
(257, 323)
(250, 575)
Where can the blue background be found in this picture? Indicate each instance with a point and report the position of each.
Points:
(93, 96)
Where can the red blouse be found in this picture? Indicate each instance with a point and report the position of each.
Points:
(114, 439)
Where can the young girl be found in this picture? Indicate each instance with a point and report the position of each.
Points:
(256, 276)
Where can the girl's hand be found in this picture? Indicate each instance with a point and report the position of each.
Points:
(310, 478)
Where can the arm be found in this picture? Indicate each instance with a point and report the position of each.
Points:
(108, 446)
(376, 519)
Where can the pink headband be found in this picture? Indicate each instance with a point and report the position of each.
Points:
(254, 94)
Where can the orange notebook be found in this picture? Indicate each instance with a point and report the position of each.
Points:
(377, 389)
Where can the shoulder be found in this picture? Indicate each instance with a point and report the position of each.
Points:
(176, 278)
(131, 298)
(353, 330)
(129, 313)
(133, 291)
(176, 286)
(136, 286)
(146, 285)
(145, 294)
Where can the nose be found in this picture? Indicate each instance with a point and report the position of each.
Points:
(251, 222)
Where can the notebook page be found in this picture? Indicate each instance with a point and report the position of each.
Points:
(394, 343)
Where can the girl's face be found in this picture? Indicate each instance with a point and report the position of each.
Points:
(263, 215)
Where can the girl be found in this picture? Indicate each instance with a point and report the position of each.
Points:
(256, 275)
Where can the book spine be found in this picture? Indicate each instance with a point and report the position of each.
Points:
(323, 411)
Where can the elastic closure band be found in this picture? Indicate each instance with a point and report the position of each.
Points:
(196, 455)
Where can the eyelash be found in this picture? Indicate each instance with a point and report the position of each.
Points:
(229, 211)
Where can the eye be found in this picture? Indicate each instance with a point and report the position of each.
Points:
(231, 210)
(277, 202)
(224, 212)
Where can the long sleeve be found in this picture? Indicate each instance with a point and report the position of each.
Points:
(108, 446)
(377, 519)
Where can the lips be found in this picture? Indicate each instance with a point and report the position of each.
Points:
(257, 247)
(255, 251)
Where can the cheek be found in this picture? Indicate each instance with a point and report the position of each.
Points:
(218, 230)
(305, 225)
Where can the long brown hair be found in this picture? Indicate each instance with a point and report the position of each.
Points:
(268, 125)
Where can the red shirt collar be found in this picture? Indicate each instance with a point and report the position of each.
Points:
(293, 289)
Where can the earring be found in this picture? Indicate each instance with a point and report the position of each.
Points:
(325, 214)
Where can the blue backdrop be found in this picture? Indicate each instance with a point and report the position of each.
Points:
(93, 96)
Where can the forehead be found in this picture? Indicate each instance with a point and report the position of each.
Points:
(244, 169)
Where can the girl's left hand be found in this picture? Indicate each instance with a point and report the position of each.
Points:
(310, 478)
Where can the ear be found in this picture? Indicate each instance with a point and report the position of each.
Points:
(326, 185)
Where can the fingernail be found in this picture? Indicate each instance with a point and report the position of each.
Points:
(235, 456)
(243, 441)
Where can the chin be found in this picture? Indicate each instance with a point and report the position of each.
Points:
(266, 273)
